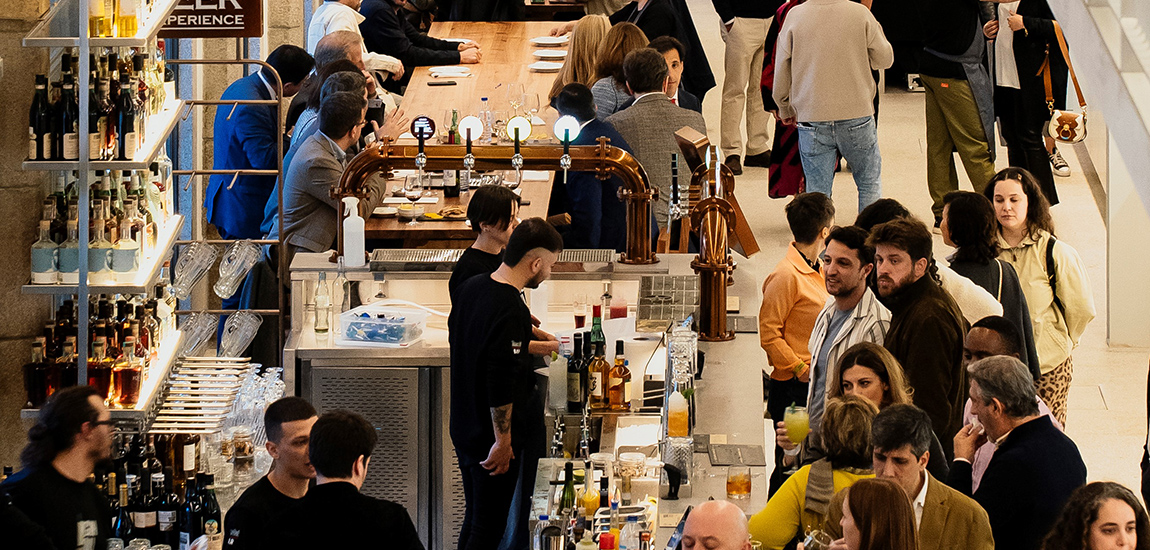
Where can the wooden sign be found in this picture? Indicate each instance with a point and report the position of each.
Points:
(215, 19)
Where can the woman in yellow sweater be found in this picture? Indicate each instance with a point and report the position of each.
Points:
(800, 505)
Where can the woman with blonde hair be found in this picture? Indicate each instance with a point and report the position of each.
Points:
(610, 87)
(579, 65)
(868, 371)
(801, 504)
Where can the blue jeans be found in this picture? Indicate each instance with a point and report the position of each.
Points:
(857, 140)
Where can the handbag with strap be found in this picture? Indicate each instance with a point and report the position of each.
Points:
(1066, 126)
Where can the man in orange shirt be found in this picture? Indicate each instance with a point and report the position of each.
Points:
(793, 295)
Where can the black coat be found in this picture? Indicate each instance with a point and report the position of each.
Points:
(1026, 484)
(337, 515)
(1030, 49)
(672, 18)
(386, 32)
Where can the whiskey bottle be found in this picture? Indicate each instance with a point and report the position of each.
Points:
(619, 381)
(597, 374)
(36, 378)
(126, 377)
(100, 368)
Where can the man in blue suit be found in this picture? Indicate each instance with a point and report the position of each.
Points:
(598, 217)
(247, 140)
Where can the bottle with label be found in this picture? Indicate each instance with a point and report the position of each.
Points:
(589, 501)
(191, 523)
(126, 251)
(40, 122)
(126, 123)
(567, 497)
(122, 525)
(100, 256)
(126, 376)
(213, 521)
(597, 336)
(167, 514)
(36, 378)
(95, 122)
(575, 390)
(69, 264)
(67, 122)
(597, 375)
(62, 374)
(322, 305)
(45, 257)
(145, 516)
(100, 368)
(619, 381)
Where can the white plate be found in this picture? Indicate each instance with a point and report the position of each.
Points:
(550, 54)
(460, 40)
(545, 66)
(385, 211)
(551, 40)
(450, 69)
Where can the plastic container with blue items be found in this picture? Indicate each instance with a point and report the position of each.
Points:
(382, 324)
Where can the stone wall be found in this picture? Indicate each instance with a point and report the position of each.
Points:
(20, 196)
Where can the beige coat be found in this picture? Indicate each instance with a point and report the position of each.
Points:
(1056, 332)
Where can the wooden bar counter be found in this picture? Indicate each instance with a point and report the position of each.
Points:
(507, 51)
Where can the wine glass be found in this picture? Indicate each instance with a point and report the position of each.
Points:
(515, 97)
(531, 103)
(413, 191)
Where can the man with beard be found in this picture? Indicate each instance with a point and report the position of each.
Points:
(926, 327)
(72, 436)
(492, 383)
(851, 315)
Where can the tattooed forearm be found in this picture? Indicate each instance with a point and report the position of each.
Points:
(501, 419)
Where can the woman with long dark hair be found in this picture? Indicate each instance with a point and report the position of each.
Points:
(969, 225)
(1052, 277)
(1100, 516)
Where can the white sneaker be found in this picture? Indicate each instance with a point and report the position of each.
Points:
(1058, 164)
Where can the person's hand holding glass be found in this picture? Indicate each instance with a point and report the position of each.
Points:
(791, 432)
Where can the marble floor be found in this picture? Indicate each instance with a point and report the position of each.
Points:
(1107, 399)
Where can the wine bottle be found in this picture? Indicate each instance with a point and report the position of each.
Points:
(126, 126)
(575, 391)
(40, 122)
(123, 527)
(190, 516)
(167, 514)
(212, 518)
(95, 122)
(67, 120)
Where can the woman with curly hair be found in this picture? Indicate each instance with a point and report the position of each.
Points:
(1100, 516)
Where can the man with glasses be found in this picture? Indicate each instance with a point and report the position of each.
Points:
(311, 214)
(72, 435)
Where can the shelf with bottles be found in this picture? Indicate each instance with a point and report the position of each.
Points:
(133, 23)
(132, 110)
(134, 343)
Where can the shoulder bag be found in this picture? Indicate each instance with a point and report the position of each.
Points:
(1065, 126)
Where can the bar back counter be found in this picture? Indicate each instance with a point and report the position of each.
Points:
(404, 390)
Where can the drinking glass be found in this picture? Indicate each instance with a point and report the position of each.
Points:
(499, 126)
(413, 190)
(239, 331)
(817, 540)
(115, 544)
(234, 266)
(580, 309)
(515, 97)
(198, 329)
(531, 103)
(738, 482)
(195, 261)
(797, 423)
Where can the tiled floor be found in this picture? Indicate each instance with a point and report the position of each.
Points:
(1107, 400)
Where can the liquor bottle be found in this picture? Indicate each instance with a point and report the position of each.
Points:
(142, 95)
(619, 381)
(187, 459)
(151, 327)
(36, 378)
(100, 368)
(141, 332)
(69, 264)
(128, 20)
(113, 500)
(597, 327)
(212, 518)
(122, 525)
(585, 364)
(126, 377)
(575, 390)
(59, 198)
(51, 344)
(45, 257)
(40, 122)
(126, 254)
(167, 514)
(126, 124)
(96, 19)
(146, 518)
(152, 464)
(112, 216)
(67, 122)
(191, 516)
(95, 122)
(567, 498)
(597, 374)
(590, 499)
(322, 305)
(99, 256)
(57, 224)
(65, 370)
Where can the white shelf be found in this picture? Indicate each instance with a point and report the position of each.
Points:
(160, 125)
(145, 278)
(151, 388)
(60, 28)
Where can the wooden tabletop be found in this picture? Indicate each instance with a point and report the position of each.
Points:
(507, 51)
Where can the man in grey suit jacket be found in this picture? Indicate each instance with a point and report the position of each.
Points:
(311, 215)
(650, 123)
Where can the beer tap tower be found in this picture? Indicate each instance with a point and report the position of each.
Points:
(714, 218)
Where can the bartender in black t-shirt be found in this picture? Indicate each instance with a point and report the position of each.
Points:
(72, 435)
(288, 423)
(494, 213)
(492, 381)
